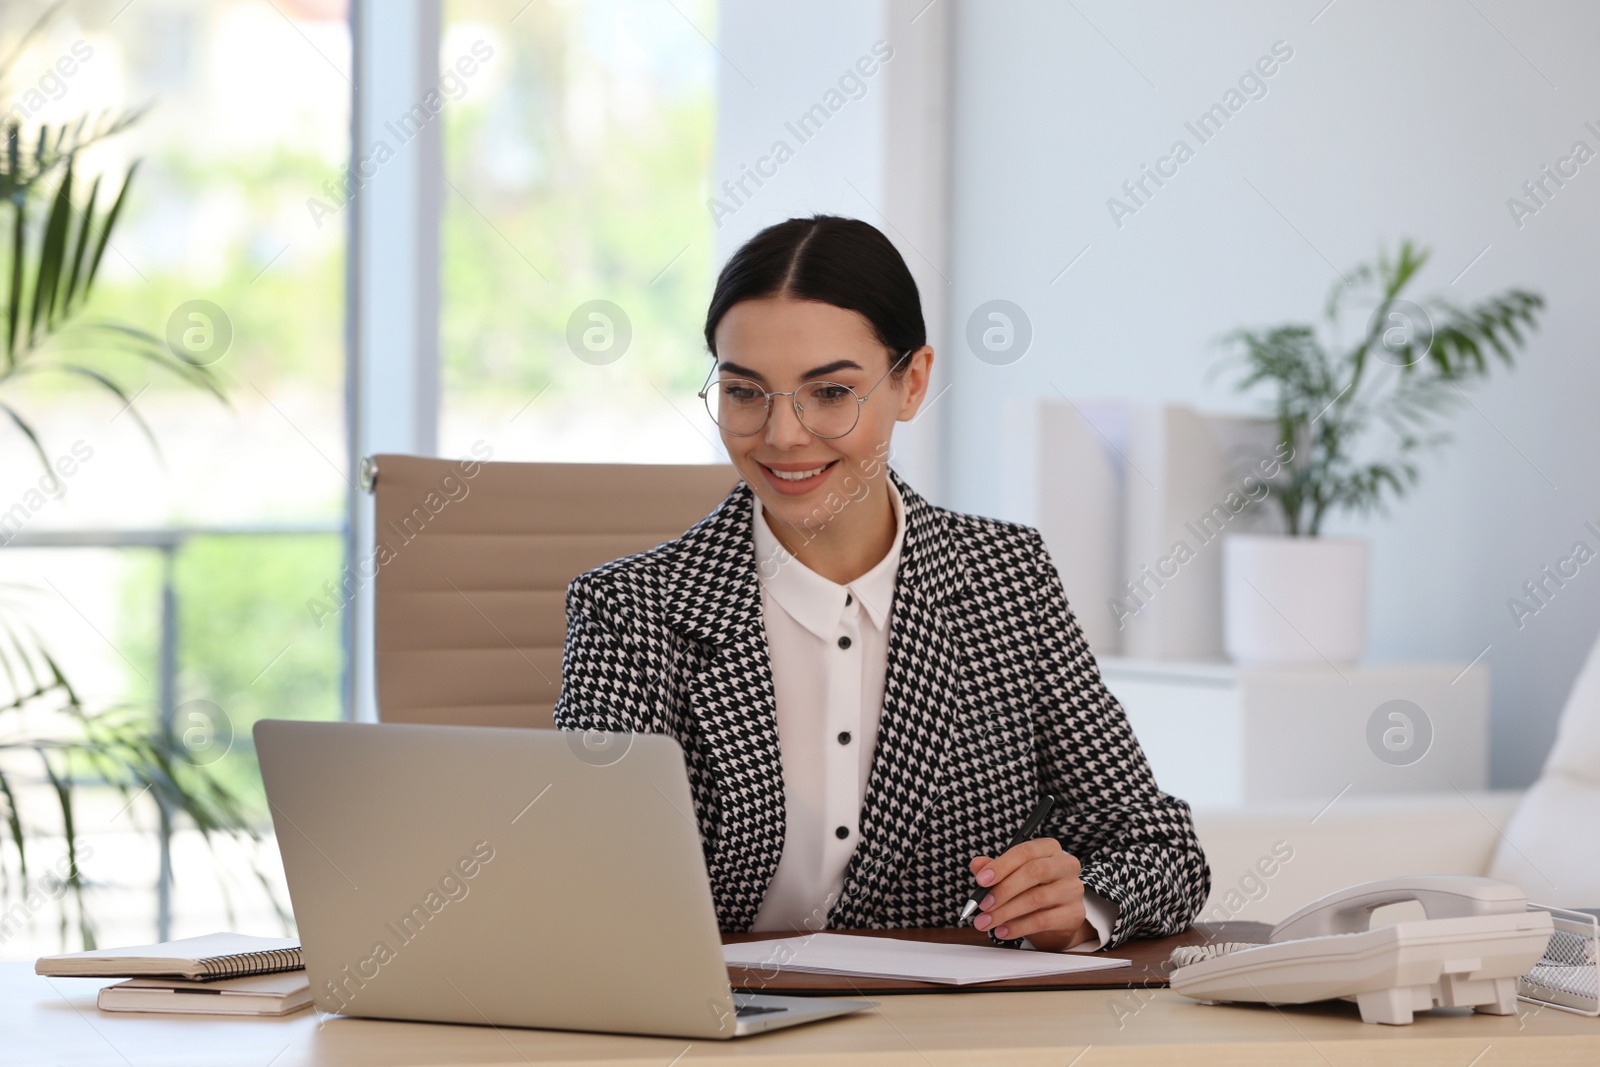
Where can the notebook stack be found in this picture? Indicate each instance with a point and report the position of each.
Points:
(217, 974)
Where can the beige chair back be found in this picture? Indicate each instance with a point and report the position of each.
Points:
(471, 592)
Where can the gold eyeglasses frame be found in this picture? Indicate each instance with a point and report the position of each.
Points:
(794, 399)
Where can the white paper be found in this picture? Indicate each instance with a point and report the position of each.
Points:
(918, 961)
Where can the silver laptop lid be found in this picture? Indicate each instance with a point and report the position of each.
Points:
(505, 876)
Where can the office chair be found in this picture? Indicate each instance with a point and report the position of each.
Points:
(473, 561)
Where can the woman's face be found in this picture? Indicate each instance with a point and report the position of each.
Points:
(782, 343)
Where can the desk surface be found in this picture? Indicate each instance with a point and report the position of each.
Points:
(54, 1020)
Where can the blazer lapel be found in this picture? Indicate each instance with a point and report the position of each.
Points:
(713, 597)
(924, 689)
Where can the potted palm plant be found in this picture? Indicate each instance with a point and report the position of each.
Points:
(1303, 597)
(53, 237)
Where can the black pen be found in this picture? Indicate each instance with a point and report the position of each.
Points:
(1026, 833)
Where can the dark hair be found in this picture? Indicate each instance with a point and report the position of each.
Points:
(844, 262)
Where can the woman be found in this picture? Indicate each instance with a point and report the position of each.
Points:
(871, 692)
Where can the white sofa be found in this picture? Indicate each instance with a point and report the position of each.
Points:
(1550, 843)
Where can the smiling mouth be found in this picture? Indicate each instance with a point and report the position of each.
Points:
(799, 476)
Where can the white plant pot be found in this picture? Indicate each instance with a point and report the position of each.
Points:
(1293, 600)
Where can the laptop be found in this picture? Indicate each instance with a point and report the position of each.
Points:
(505, 877)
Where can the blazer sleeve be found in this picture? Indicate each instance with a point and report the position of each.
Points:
(1137, 844)
(610, 669)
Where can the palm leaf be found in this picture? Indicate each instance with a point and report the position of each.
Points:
(28, 432)
(69, 830)
(52, 254)
(111, 386)
(14, 825)
(58, 677)
(19, 227)
(106, 227)
(154, 350)
(70, 290)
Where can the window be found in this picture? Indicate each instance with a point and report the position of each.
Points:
(578, 251)
(177, 583)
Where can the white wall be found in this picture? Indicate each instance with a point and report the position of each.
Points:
(1390, 120)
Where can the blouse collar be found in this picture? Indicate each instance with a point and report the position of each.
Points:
(815, 602)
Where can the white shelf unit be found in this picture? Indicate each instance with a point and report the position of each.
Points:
(1222, 736)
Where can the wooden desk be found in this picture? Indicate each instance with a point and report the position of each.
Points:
(55, 1021)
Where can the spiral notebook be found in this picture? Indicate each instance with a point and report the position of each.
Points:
(198, 959)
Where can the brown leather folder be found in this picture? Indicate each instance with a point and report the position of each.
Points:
(1148, 964)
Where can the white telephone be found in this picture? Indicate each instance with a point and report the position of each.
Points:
(1478, 938)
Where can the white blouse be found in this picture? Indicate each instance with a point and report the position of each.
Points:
(829, 648)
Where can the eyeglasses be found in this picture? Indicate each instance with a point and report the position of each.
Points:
(828, 410)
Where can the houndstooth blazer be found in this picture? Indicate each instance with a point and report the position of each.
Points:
(991, 697)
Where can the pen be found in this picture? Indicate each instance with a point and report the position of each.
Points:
(1024, 833)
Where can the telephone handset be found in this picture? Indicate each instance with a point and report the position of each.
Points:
(1478, 938)
(1442, 896)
